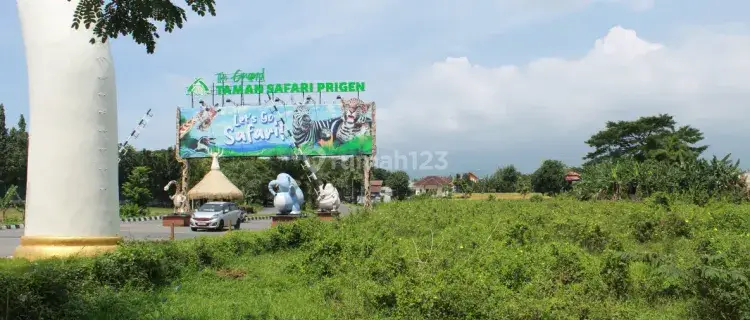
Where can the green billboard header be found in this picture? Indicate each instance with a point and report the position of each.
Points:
(241, 82)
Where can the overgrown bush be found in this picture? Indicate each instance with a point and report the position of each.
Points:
(448, 259)
(696, 181)
(132, 210)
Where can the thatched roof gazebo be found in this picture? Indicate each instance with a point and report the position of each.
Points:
(215, 186)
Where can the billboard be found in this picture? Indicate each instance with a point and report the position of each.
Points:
(335, 129)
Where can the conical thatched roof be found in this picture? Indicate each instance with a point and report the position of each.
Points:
(215, 185)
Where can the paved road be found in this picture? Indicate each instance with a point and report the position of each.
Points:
(9, 239)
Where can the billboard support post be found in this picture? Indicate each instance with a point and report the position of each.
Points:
(213, 94)
(367, 201)
(183, 187)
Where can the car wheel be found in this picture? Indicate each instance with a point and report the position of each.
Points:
(194, 229)
(220, 227)
(237, 225)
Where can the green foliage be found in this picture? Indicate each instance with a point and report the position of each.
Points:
(7, 202)
(398, 181)
(523, 186)
(132, 210)
(653, 137)
(549, 178)
(697, 181)
(505, 179)
(13, 148)
(559, 259)
(135, 189)
(381, 174)
(135, 18)
(536, 198)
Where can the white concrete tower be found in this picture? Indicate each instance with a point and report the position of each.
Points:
(72, 202)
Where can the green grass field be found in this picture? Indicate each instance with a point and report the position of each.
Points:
(498, 196)
(422, 259)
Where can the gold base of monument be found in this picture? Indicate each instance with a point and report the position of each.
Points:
(41, 247)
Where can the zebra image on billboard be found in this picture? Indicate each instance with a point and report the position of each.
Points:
(335, 129)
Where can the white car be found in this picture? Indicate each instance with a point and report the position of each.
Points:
(216, 215)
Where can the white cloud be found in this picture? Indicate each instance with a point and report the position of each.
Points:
(700, 79)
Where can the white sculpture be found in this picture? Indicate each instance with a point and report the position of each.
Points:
(328, 198)
(288, 197)
(72, 205)
(178, 198)
(387, 193)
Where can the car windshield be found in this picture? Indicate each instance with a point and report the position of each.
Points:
(211, 207)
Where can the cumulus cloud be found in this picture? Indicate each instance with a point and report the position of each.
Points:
(456, 105)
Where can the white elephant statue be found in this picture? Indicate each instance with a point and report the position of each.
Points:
(328, 197)
(287, 195)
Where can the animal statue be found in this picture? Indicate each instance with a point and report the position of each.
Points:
(328, 198)
(178, 198)
(387, 193)
(287, 195)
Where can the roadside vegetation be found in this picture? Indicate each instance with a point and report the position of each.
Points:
(447, 259)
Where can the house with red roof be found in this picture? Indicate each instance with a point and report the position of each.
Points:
(572, 176)
(375, 187)
(436, 185)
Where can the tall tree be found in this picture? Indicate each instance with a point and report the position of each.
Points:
(399, 182)
(136, 188)
(135, 18)
(549, 178)
(653, 137)
(16, 154)
(380, 174)
(3, 149)
(505, 179)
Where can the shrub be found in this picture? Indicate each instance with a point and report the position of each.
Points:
(536, 198)
(446, 259)
(131, 210)
(661, 200)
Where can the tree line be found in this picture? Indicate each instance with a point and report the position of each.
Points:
(631, 160)
(14, 145)
(143, 175)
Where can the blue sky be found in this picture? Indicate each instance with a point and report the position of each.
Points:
(489, 82)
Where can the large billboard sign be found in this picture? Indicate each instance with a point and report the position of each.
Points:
(335, 129)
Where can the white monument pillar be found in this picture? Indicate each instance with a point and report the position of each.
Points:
(72, 202)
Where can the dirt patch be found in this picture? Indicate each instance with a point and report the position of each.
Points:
(231, 273)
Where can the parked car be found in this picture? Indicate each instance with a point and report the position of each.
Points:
(216, 215)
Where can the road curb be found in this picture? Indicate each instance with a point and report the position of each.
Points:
(251, 218)
(11, 226)
(139, 219)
